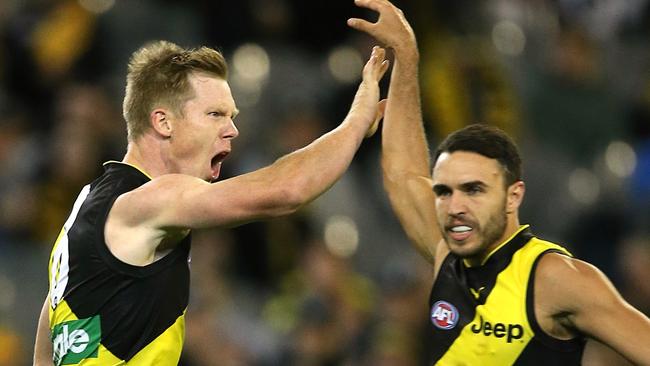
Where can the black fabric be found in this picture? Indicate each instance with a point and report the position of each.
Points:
(575, 346)
(485, 276)
(446, 287)
(135, 304)
(453, 285)
(454, 282)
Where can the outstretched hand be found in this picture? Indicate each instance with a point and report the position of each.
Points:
(366, 100)
(392, 28)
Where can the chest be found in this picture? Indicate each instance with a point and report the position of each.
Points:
(480, 312)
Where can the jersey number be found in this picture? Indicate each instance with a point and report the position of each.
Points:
(59, 263)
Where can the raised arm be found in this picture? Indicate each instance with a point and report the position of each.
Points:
(578, 297)
(405, 155)
(183, 202)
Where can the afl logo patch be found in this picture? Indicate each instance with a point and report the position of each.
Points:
(444, 315)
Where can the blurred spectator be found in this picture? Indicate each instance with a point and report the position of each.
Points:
(570, 104)
(563, 76)
(322, 310)
(11, 348)
(20, 159)
(208, 341)
(85, 134)
(398, 332)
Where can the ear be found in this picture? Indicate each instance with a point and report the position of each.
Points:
(515, 196)
(160, 122)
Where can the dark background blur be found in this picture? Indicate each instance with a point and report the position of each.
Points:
(337, 283)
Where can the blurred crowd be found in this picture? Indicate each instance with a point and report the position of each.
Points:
(337, 283)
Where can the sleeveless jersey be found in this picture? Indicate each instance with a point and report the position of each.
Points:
(104, 311)
(484, 315)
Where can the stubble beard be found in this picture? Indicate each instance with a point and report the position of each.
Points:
(490, 234)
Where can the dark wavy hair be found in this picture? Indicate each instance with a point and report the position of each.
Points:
(488, 141)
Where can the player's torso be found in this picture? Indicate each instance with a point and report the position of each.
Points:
(104, 311)
(484, 315)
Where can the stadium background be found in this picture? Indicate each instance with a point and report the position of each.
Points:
(337, 283)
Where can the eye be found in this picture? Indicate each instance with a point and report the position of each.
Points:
(474, 189)
(216, 114)
(441, 191)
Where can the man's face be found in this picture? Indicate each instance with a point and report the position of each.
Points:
(471, 202)
(201, 138)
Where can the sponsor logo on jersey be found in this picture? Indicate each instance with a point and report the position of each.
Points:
(444, 315)
(477, 293)
(76, 340)
(510, 332)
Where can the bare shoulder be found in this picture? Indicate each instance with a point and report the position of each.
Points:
(574, 297)
(569, 284)
(148, 203)
(136, 228)
(558, 268)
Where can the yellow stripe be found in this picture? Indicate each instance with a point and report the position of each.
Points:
(165, 350)
(61, 314)
(522, 227)
(506, 304)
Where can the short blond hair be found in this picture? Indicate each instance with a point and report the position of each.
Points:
(158, 76)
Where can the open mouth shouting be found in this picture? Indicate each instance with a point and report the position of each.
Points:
(215, 164)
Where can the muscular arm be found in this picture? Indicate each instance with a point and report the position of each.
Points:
(176, 202)
(578, 298)
(405, 154)
(43, 344)
(598, 354)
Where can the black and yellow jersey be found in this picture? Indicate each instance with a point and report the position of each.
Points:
(104, 311)
(484, 315)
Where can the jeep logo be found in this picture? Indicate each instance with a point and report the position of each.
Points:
(76, 340)
(499, 330)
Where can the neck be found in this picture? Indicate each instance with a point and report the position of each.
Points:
(146, 155)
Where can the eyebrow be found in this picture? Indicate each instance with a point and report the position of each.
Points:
(472, 184)
(440, 188)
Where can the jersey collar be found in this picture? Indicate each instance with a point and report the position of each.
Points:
(496, 249)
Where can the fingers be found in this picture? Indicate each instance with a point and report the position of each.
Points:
(370, 4)
(382, 70)
(391, 28)
(364, 25)
(379, 53)
(360, 24)
(377, 63)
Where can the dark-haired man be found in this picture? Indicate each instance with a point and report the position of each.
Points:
(119, 276)
(501, 296)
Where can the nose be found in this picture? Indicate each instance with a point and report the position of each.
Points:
(456, 204)
(232, 131)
